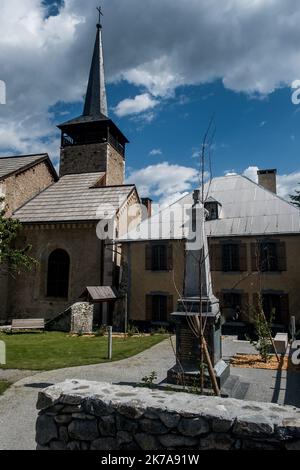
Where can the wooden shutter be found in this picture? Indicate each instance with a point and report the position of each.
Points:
(215, 252)
(243, 257)
(148, 258)
(170, 305)
(256, 302)
(170, 257)
(281, 254)
(254, 257)
(219, 296)
(245, 307)
(284, 309)
(149, 304)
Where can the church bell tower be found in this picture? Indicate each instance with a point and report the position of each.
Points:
(92, 142)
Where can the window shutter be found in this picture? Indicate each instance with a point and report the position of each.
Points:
(170, 305)
(284, 309)
(149, 307)
(216, 257)
(254, 257)
(245, 307)
(170, 257)
(281, 253)
(256, 303)
(148, 258)
(243, 257)
(219, 296)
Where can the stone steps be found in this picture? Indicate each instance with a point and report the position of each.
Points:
(234, 388)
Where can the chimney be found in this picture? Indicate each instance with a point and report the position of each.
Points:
(267, 179)
(146, 201)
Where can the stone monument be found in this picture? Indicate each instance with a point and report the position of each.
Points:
(197, 299)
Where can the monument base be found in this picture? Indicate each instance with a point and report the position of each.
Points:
(190, 376)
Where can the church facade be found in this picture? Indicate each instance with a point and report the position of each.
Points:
(61, 222)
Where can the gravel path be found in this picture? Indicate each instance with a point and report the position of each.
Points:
(17, 405)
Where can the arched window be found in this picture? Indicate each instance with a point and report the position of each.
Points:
(58, 274)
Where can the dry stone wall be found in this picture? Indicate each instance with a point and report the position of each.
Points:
(81, 415)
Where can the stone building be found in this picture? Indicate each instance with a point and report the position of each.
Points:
(254, 244)
(61, 223)
(21, 178)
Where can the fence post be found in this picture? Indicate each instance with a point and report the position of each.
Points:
(109, 332)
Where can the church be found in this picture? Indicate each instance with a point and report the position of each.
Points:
(59, 215)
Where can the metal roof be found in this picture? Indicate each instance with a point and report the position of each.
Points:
(74, 198)
(99, 294)
(16, 164)
(247, 209)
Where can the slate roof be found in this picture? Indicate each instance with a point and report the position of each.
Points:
(73, 198)
(246, 209)
(13, 165)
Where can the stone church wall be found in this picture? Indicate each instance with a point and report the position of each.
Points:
(81, 415)
(28, 292)
(20, 188)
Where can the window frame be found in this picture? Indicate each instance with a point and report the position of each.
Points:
(159, 261)
(229, 264)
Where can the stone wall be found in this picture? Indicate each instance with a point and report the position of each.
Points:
(81, 415)
(28, 292)
(89, 158)
(20, 188)
(115, 172)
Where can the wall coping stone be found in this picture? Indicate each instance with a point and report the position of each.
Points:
(155, 418)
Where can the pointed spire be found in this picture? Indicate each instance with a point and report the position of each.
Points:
(95, 101)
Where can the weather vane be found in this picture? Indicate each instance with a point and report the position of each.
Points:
(99, 9)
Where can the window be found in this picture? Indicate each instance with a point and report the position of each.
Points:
(58, 274)
(231, 306)
(213, 210)
(159, 308)
(276, 305)
(268, 260)
(159, 258)
(230, 257)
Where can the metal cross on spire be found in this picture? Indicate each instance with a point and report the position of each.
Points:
(99, 9)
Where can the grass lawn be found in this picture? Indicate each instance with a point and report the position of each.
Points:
(3, 386)
(47, 351)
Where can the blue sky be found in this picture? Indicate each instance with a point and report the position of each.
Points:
(173, 84)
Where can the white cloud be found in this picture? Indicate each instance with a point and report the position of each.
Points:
(251, 173)
(164, 181)
(155, 152)
(139, 104)
(287, 184)
(46, 60)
